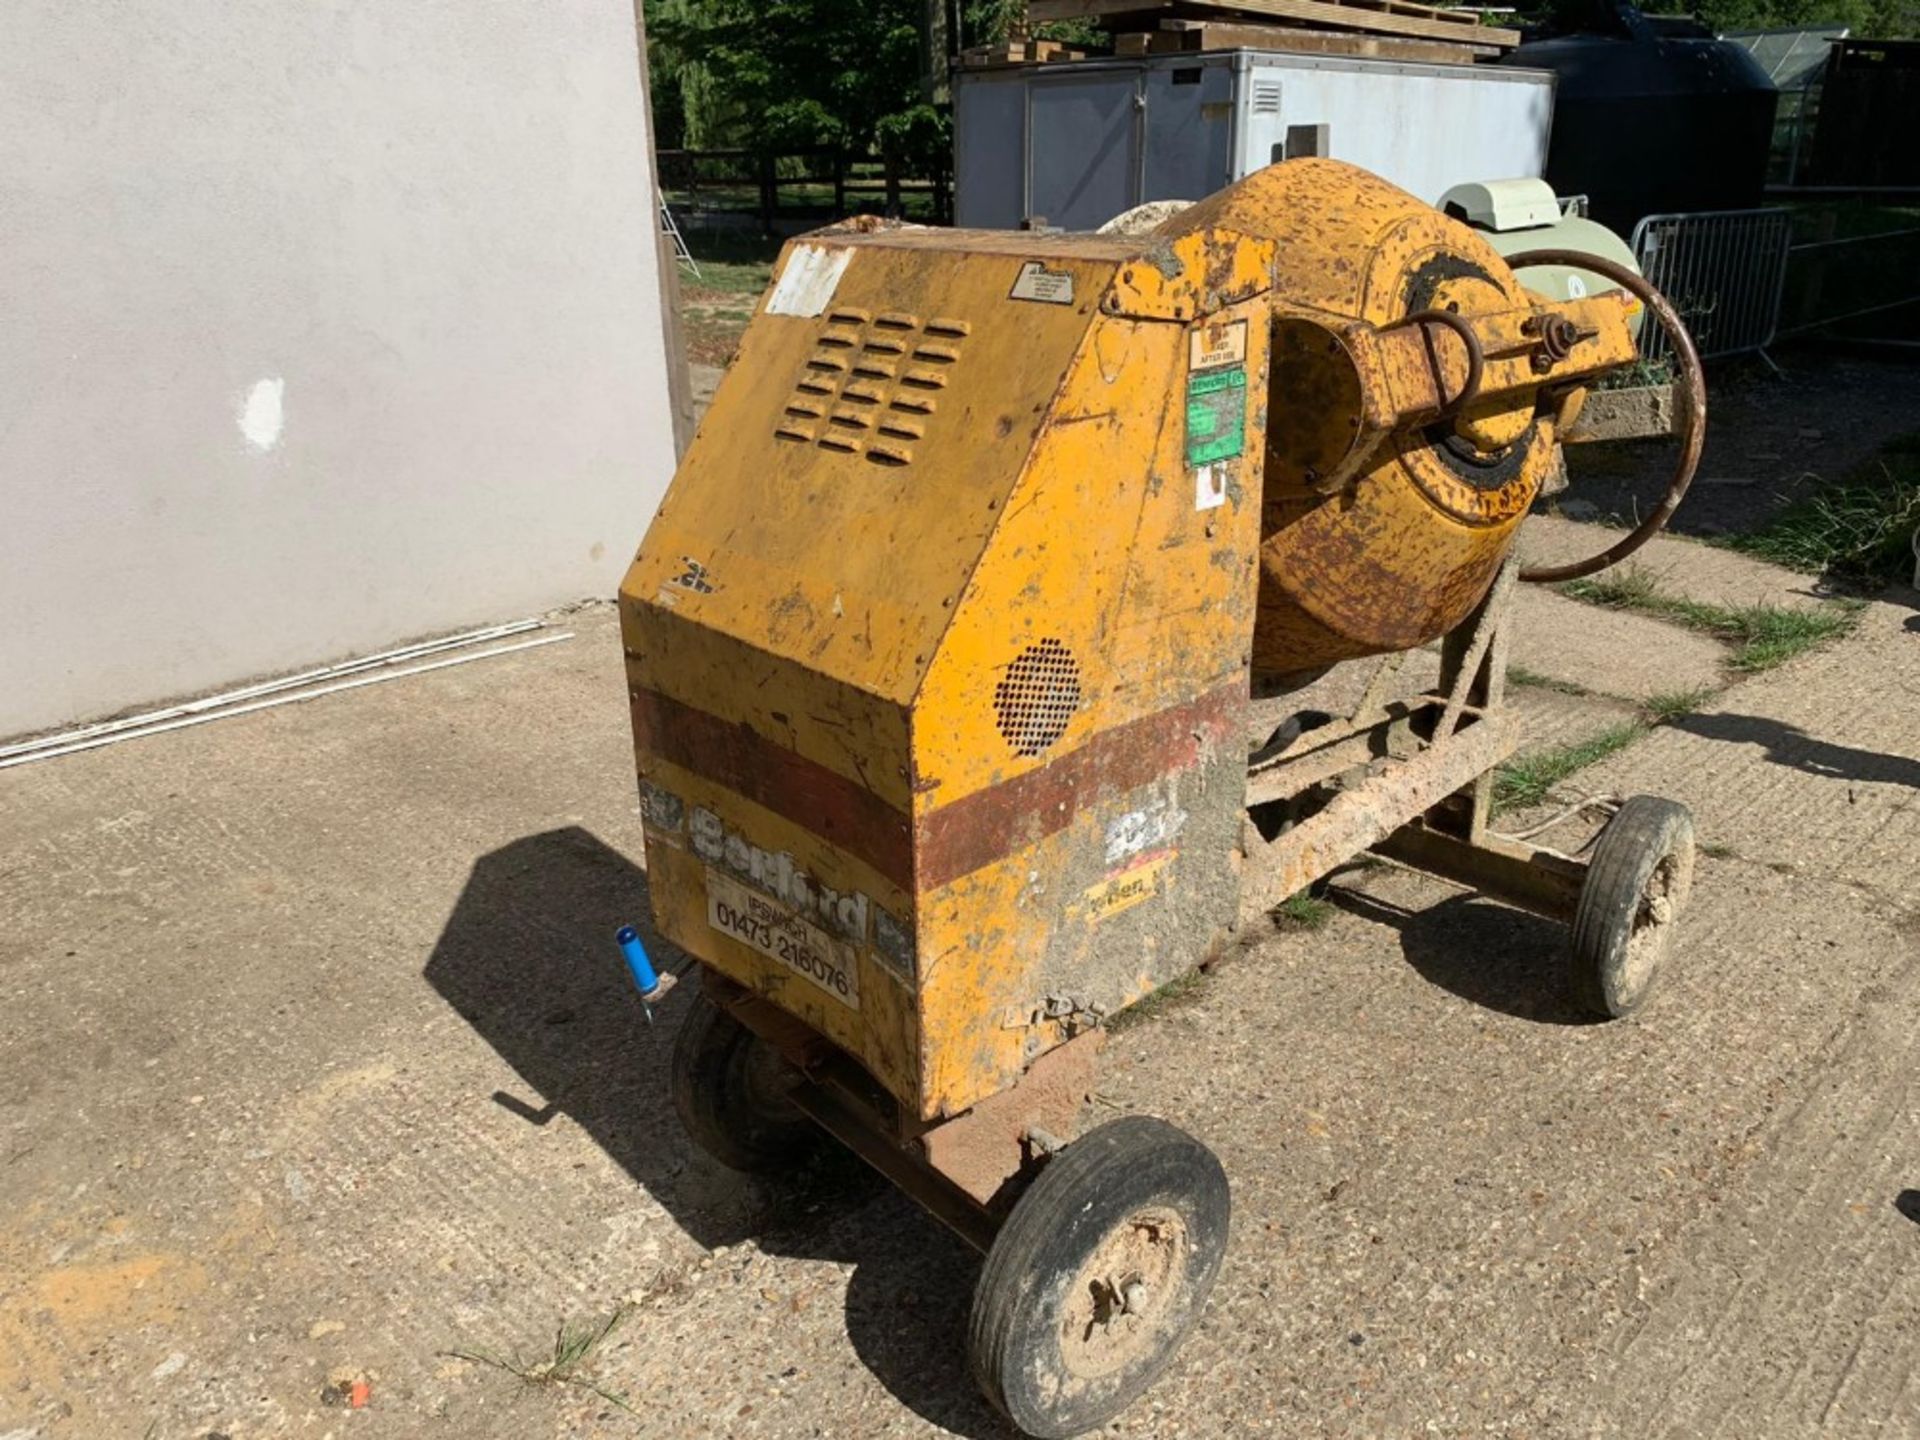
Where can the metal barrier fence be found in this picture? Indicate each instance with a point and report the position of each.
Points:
(1722, 269)
(1836, 279)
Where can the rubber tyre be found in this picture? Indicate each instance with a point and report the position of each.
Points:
(1024, 1340)
(1636, 885)
(729, 1090)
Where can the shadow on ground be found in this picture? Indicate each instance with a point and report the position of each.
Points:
(528, 959)
(1495, 956)
(1789, 745)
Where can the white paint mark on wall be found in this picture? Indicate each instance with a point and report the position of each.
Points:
(264, 413)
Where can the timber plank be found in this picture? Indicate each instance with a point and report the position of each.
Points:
(1017, 52)
(1213, 35)
(1334, 14)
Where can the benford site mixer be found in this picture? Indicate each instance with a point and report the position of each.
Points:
(943, 651)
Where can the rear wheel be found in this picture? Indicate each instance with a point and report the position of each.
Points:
(732, 1091)
(1636, 886)
(1098, 1275)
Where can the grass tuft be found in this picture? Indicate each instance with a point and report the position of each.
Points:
(1528, 780)
(1628, 588)
(1637, 376)
(1859, 529)
(1302, 911)
(1770, 636)
(1762, 636)
(1672, 704)
(573, 1347)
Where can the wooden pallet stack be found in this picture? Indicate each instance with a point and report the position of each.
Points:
(1020, 48)
(1382, 29)
(1019, 52)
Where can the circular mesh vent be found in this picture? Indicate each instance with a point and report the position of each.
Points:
(1037, 696)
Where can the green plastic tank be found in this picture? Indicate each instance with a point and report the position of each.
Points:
(1519, 215)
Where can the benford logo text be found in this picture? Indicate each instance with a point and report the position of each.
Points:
(774, 872)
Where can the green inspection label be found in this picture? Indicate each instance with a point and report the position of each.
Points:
(1216, 414)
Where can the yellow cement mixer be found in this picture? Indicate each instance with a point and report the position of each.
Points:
(941, 654)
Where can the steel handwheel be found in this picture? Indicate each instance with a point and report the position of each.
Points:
(1692, 407)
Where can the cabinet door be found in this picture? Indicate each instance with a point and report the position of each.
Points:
(1083, 148)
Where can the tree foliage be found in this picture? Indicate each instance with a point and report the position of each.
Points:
(1869, 19)
(776, 76)
(1874, 19)
(988, 21)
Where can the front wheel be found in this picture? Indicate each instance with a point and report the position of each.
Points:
(1101, 1270)
(1636, 885)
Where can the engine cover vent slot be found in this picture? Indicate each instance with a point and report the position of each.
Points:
(1036, 699)
(890, 362)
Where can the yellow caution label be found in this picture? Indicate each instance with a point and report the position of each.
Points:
(1127, 888)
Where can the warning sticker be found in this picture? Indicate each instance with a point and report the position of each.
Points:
(1049, 287)
(1210, 485)
(1215, 345)
(775, 931)
(1129, 887)
(1216, 414)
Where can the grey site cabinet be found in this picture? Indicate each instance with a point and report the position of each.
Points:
(1076, 143)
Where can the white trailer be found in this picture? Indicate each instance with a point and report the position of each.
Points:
(1073, 144)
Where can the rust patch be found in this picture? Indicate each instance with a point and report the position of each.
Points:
(1162, 258)
(986, 1147)
(980, 828)
(845, 814)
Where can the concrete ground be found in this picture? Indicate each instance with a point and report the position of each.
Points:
(324, 1075)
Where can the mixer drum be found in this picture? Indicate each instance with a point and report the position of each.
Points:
(1402, 551)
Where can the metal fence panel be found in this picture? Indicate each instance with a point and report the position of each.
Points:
(1722, 269)
(1840, 278)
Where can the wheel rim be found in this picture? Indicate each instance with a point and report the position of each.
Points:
(1653, 917)
(1127, 1295)
(765, 1084)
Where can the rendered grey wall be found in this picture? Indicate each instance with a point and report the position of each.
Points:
(323, 324)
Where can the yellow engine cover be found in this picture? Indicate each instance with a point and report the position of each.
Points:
(937, 649)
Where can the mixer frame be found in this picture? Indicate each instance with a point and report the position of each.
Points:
(1408, 779)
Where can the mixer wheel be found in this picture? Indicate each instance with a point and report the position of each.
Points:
(731, 1089)
(1636, 885)
(1098, 1275)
